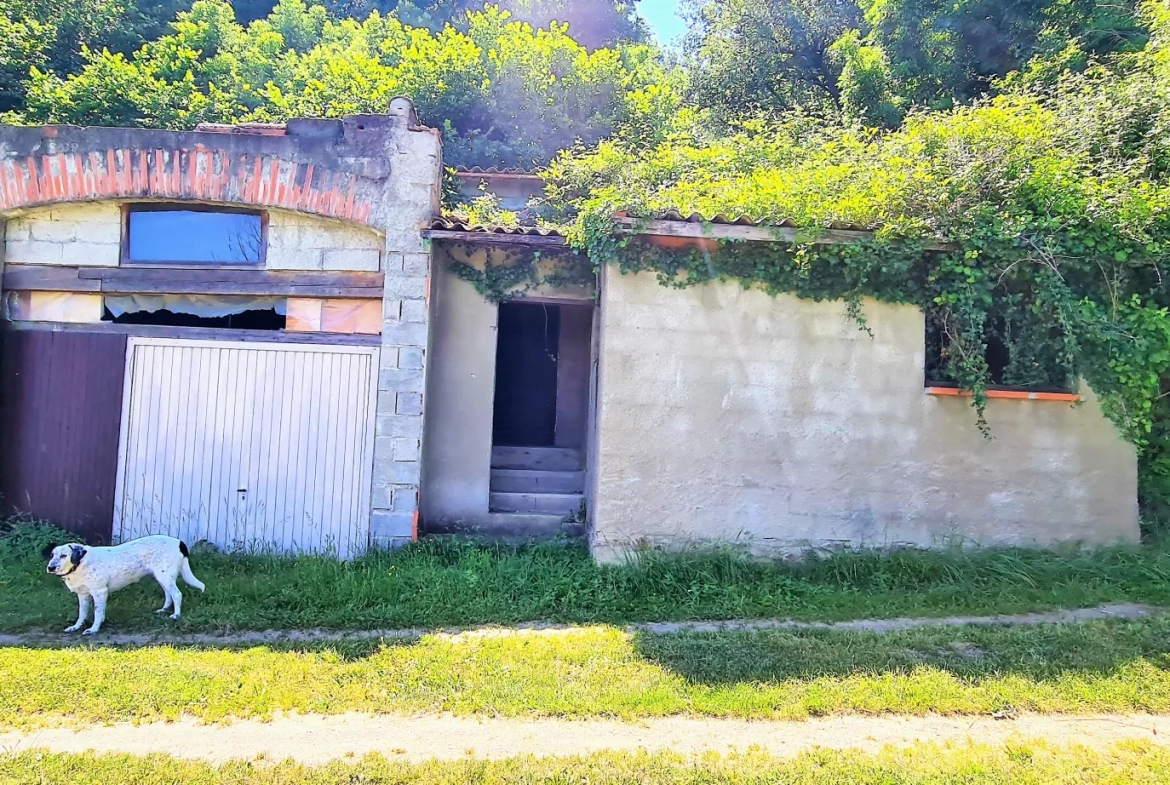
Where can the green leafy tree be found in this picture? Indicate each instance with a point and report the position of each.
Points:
(593, 23)
(767, 54)
(502, 91)
(52, 34)
(875, 59)
(941, 52)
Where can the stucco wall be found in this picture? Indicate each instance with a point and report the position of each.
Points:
(729, 415)
(457, 447)
(89, 234)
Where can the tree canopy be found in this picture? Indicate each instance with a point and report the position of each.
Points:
(503, 92)
(877, 59)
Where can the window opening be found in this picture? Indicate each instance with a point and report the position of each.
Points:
(193, 235)
(233, 313)
(1021, 353)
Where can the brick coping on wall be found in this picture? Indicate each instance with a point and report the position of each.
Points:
(1012, 394)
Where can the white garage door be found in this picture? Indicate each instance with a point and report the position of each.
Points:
(249, 446)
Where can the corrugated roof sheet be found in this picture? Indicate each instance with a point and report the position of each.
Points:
(509, 171)
(255, 129)
(453, 224)
(739, 220)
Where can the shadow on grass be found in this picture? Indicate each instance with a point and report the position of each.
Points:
(1039, 653)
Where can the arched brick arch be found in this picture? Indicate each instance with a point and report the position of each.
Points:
(196, 174)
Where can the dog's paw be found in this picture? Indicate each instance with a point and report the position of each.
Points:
(173, 616)
(73, 628)
(162, 610)
(90, 631)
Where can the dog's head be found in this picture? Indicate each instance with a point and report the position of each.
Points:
(64, 559)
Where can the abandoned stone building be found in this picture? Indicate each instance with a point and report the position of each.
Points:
(256, 336)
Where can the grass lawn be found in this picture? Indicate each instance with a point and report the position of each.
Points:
(445, 583)
(1021, 763)
(603, 671)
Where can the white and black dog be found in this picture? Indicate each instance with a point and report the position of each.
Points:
(92, 573)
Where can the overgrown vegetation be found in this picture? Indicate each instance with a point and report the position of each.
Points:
(1052, 209)
(1022, 761)
(439, 583)
(514, 272)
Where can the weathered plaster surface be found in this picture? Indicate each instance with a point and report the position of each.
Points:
(729, 415)
(331, 168)
(460, 393)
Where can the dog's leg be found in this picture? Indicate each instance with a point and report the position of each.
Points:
(99, 611)
(82, 611)
(166, 602)
(167, 580)
(177, 596)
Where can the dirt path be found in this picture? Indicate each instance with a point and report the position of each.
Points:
(108, 638)
(316, 739)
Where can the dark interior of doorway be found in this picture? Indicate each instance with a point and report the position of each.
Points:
(267, 319)
(527, 344)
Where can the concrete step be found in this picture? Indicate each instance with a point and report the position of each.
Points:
(528, 481)
(544, 503)
(513, 526)
(549, 459)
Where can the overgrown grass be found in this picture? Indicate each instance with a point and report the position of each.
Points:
(1019, 763)
(446, 583)
(603, 671)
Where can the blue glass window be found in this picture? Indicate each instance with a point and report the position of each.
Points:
(187, 236)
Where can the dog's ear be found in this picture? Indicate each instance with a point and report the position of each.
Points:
(76, 553)
(47, 551)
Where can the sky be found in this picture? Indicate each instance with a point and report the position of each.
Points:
(663, 18)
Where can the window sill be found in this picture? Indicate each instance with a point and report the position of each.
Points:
(1022, 395)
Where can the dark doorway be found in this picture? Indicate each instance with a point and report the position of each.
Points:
(527, 344)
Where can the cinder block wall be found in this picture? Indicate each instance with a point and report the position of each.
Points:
(88, 234)
(727, 415)
(409, 199)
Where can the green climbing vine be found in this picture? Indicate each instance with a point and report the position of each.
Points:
(513, 272)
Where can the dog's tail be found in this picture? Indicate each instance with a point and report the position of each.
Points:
(185, 570)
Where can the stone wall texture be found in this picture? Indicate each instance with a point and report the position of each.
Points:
(82, 234)
(727, 415)
(303, 242)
